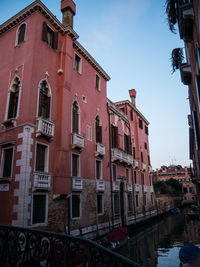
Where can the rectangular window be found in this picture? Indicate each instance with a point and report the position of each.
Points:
(114, 132)
(116, 203)
(145, 199)
(99, 204)
(149, 162)
(122, 109)
(77, 63)
(98, 169)
(146, 130)
(145, 145)
(140, 124)
(130, 202)
(142, 178)
(142, 157)
(151, 199)
(185, 190)
(136, 201)
(126, 143)
(7, 159)
(131, 114)
(75, 165)
(39, 209)
(135, 177)
(49, 36)
(114, 172)
(128, 175)
(97, 82)
(89, 132)
(76, 206)
(41, 158)
(134, 154)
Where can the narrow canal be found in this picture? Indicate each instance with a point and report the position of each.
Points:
(158, 244)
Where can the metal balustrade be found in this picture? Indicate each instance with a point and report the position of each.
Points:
(42, 180)
(28, 247)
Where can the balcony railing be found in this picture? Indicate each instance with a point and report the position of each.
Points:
(41, 180)
(137, 188)
(116, 186)
(144, 166)
(28, 247)
(77, 141)
(100, 185)
(136, 163)
(45, 128)
(152, 190)
(121, 156)
(129, 188)
(100, 150)
(186, 74)
(77, 184)
(145, 188)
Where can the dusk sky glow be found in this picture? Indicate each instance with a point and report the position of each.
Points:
(130, 39)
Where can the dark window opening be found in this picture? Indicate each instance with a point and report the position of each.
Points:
(114, 132)
(39, 209)
(142, 178)
(130, 202)
(114, 172)
(99, 204)
(142, 157)
(7, 162)
(75, 118)
(122, 109)
(140, 124)
(97, 82)
(131, 114)
(136, 200)
(134, 154)
(98, 130)
(77, 63)
(145, 145)
(145, 200)
(44, 101)
(21, 34)
(14, 98)
(116, 203)
(135, 177)
(149, 162)
(40, 157)
(75, 165)
(49, 36)
(98, 169)
(76, 202)
(146, 130)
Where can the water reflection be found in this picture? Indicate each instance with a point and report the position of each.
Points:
(158, 244)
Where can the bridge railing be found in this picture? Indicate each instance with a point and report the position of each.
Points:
(36, 248)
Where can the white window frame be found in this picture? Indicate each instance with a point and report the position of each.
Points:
(102, 200)
(101, 169)
(98, 89)
(17, 34)
(79, 164)
(80, 207)
(2, 161)
(80, 65)
(89, 132)
(46, 167)
(46, 210)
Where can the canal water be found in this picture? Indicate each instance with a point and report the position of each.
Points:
(158, 244)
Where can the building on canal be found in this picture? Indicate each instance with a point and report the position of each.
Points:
(182, 175)
(186, 14)
(71, 160)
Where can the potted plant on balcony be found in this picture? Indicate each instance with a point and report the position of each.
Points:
(171, 11)
(176, 59)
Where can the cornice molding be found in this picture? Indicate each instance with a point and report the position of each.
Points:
(133, 107)
(37, 6)
(117, 111)
(91, 60)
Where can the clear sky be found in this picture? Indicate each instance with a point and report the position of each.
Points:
(131, 41)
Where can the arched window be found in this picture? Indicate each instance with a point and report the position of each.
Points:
(98, 129)
(75, 118)
(14, 99)
(21, 34)
(44, 100)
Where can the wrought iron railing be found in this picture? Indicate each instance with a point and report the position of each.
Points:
(36, 248)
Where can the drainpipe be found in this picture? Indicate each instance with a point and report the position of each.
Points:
(111, 183)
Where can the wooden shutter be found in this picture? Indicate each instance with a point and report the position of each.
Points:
(116, 137)
(40, 158)
(44, 32)
(100, 134)
(129, 145)
(55, 40)
(21, 36)
(11, 105)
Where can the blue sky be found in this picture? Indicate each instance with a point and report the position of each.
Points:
(131, 41)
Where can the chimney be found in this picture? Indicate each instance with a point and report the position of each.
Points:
(132, 94)
(68, 8)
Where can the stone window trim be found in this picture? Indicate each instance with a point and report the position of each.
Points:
(79, 164)
(102, 204)
(21, 34)
(89, 132)
(46, 209)
(49, 95)
(46, 163)
(77, 63)
(49, 36)
(98, 129)
(80, 207)
(6, 147)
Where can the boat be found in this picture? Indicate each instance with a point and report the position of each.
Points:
(118, 237)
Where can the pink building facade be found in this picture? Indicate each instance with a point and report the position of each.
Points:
(55, 136)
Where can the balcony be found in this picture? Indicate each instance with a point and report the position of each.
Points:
(77, 141)
(116, 186)
(45, 128)
(77, 184)
(121, 156)
(41, 180)
(137, 188)
(144, 166)
(152, 190)
(100, 150)
(145, 188)
(129, 188)
(100, 185)
(135, 163)
(186, 74)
